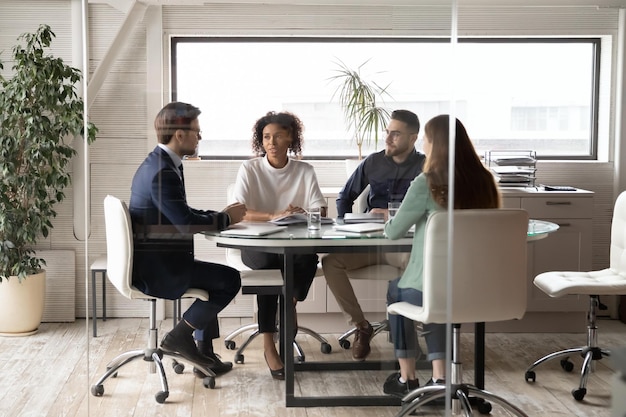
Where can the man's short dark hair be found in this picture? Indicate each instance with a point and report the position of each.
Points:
(174, 116)
(407, 117)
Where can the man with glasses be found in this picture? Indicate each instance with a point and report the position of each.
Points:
(164, 264)
(389, 174)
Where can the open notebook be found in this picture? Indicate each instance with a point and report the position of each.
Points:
(252, 229)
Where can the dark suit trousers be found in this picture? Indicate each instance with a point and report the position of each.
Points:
(305, 267)
(220, 281)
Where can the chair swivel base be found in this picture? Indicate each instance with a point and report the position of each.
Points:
(590, 353)
(461, 394)
(230, 344)
(154, 356)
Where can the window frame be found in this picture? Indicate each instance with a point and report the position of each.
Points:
(595, 42)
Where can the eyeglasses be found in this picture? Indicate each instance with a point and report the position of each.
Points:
(396, 134)
(198, 131)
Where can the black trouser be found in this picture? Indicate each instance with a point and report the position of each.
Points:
(304, 267)
(168, 277)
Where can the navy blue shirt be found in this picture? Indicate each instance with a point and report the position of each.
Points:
(388, 181)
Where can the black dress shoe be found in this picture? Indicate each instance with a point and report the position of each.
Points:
(393, 386)
(218, 367)
(278, 374)
(185, 346)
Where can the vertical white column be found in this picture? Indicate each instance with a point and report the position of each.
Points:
(156, 86)
(619, 181)
(80, 177)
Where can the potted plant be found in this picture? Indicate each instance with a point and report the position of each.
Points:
(360, 100)
(41, 112)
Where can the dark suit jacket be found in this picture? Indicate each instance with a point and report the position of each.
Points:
(163, 262)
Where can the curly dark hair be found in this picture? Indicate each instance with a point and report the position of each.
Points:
(287, 121)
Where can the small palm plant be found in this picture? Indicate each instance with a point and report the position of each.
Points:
(361, 102)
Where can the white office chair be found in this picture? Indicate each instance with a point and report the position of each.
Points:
(119, 239)
(488, 283)
(609, 281)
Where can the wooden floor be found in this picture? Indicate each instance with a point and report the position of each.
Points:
(50, 373)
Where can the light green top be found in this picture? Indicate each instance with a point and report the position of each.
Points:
(415, 209)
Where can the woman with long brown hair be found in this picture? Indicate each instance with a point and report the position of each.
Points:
(474, 187)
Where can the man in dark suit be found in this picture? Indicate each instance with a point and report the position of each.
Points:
(163, 225)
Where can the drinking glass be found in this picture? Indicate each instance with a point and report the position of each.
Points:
(392, 208)
(314, 218)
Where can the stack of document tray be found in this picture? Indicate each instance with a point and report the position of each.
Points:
(513, 168)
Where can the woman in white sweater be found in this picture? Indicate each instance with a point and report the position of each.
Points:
(272, 185)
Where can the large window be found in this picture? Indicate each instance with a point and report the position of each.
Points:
(531, 94)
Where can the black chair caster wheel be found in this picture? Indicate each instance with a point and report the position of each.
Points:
(179, 368)
(230, 344)
(530, 376)
(484, 407)
(579, 393)
(209, 382)
(239, 358)
(161, 396)
(97, 390)
(345, 344)
(326, 348)
(567, 365)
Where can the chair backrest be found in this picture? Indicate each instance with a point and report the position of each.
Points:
(119, 238)
(618, 235)
(360, 204)
(233, 256)
(489, 281)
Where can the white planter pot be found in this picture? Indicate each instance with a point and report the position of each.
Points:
(22, 304)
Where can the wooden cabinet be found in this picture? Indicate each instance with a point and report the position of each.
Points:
(569, 248)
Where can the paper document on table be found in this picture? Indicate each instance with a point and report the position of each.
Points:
(252, 229)
(360, 227)
(296, 218)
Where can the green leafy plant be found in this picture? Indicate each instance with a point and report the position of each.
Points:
(41, 112)
(360, 100)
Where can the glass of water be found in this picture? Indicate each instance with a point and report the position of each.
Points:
(314, 218)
